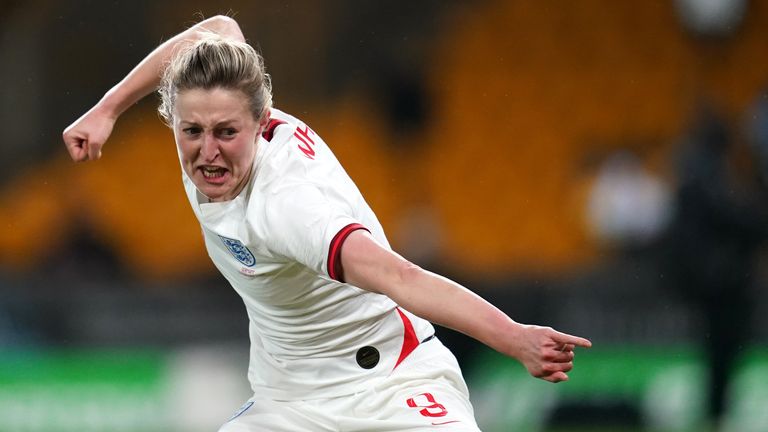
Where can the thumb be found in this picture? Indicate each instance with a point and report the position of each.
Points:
(94, 150)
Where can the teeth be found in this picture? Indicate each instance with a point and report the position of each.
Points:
(212, 172)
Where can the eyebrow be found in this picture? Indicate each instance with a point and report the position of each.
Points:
(218, 124)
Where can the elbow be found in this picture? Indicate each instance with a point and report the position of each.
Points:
(223, 21)
(409, 279)
(408, 274)
(224, 26)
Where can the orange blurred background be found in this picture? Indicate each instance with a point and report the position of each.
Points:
(522, 97)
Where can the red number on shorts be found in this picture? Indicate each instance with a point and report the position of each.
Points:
(430, 405)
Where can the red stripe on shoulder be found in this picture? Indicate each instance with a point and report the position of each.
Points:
(269, 131)
(334, 251)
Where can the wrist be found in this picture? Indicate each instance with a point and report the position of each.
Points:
(109, 105)
(508, 337)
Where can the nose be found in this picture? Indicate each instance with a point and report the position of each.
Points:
(210, 147)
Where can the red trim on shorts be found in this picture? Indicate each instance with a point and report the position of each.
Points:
(410, 341)
(269, 131)
(334, 250)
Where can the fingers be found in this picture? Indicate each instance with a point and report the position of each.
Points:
(561, 356)
(86, 136)
(555, 372)
(556, 377)
(553, 353)
(566, 339)
(76, 148)
(555, 365)
(558, 361)
(80, 148)
(552, 368)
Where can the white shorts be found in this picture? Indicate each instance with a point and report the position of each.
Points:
(426, 392)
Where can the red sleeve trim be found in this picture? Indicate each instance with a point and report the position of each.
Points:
(334, 251)
(269, 131)
(410, 341)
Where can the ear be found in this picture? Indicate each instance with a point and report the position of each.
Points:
(265, 119)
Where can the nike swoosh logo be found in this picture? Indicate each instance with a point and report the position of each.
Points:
(445, 422)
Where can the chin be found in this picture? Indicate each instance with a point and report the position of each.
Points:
(213, 193)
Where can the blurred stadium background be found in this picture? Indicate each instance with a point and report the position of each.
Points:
(593, 165)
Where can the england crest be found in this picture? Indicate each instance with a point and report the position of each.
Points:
(239, 251)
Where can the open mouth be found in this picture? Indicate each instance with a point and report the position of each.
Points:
(213, 172)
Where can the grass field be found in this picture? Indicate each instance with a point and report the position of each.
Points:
(619, 389)
(630, 388)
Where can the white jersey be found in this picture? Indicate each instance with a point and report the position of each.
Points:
(278, 243)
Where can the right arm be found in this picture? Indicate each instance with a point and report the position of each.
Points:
(85, 137)
(546, 353)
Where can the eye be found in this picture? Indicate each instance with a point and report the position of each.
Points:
(227, 132)
(192, 130)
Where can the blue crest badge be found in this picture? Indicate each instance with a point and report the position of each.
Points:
(239, 251)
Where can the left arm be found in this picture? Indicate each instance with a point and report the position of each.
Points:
(546, 353)
(85, 137)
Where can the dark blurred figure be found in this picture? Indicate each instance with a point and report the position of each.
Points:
(719, 224)
(756, 127)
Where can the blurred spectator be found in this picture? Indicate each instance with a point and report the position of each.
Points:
(720, 222)
(711, 18)
(629, 206)
(85, 256)
(757, 134)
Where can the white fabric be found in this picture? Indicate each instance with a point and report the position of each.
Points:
(272, 244)
(429, 377)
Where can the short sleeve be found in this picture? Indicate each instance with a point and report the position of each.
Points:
(302, 223)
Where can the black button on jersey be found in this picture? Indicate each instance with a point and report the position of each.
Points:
(367, 357)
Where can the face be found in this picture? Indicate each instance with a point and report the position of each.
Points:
(216, 135)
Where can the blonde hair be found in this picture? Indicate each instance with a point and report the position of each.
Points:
(215, 62)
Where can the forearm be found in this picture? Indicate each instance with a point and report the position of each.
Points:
(145, 77)
(545, 352)
(445, 302)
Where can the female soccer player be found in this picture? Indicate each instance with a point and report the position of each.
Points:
(340, 328)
